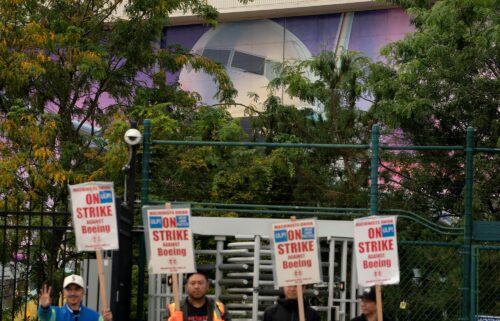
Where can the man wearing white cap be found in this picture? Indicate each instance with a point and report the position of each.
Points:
(73, 310)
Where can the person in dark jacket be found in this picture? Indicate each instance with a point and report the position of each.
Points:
(287, 308)
(368, 303)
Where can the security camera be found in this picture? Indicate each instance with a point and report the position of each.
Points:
(133, 137)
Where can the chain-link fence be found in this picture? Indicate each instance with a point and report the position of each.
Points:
(487, 282)
(431, 276)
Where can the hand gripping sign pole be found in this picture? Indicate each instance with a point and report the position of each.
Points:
(94, 221)
(296, 258)
(376, 249)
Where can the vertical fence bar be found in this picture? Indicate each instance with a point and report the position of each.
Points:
(343, 278)
(219, 259)
(331, 277)
(256, 278)
(15, 254)
(469, 174)
(374, 170)
(4, 252)
(144, 201)
(27, 293)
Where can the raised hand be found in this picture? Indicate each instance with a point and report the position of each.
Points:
(45, 298)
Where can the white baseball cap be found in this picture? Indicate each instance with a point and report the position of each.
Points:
(74, 279)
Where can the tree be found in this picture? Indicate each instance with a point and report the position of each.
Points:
(69, 72)
(274, 175)
(437, 82)
(334, 82)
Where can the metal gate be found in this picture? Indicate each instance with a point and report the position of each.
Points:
(240, 266)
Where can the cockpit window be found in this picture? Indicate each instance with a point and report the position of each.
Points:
(219, 55)
(270, 70)
(248, 62)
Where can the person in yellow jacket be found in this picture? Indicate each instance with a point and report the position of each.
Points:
(198, 307)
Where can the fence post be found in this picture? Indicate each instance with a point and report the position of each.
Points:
(121, 270)
(374, 170)
(144, 201)
(469, 173)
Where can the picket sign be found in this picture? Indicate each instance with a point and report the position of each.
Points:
(93, 211)
(376, 249)
(296, 258)
(169, 242)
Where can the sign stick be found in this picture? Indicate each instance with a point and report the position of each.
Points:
(300, 293)
(378, 295)
(175, 289)
(102, 280)
(175, 279)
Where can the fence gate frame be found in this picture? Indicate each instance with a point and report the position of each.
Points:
(249, 259)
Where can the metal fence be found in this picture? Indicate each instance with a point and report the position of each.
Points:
(439, 280)
(486, 281)
(431, 277)
(437, 277)
(37, 247)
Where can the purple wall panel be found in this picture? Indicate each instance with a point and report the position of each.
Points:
(371, 30)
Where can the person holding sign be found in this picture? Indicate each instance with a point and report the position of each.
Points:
(287, 308)
(73, 310)
(198, 307)
(369, 306)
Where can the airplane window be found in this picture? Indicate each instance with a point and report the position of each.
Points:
(270, 70)
(249, 63)
(219, 55)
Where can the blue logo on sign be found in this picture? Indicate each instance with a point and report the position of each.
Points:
(182, 221)
(155, 222)
(106, 196)
(308, 233)
(387, 230)
(280, 236)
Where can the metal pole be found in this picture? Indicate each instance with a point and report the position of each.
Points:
(144, 201)
(331, 277)
(374, 170)
(219, 259)
(469, 174)
(256, 278)
(122, 262)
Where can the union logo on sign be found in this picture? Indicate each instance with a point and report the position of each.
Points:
(308, 233)
(182, 221)
(155, 222)
(280, 236)
(106, 196)
(388, 230)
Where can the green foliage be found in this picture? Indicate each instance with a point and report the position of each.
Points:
(335, 83)
(70, 74)
(437, 82)
(265, 175)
